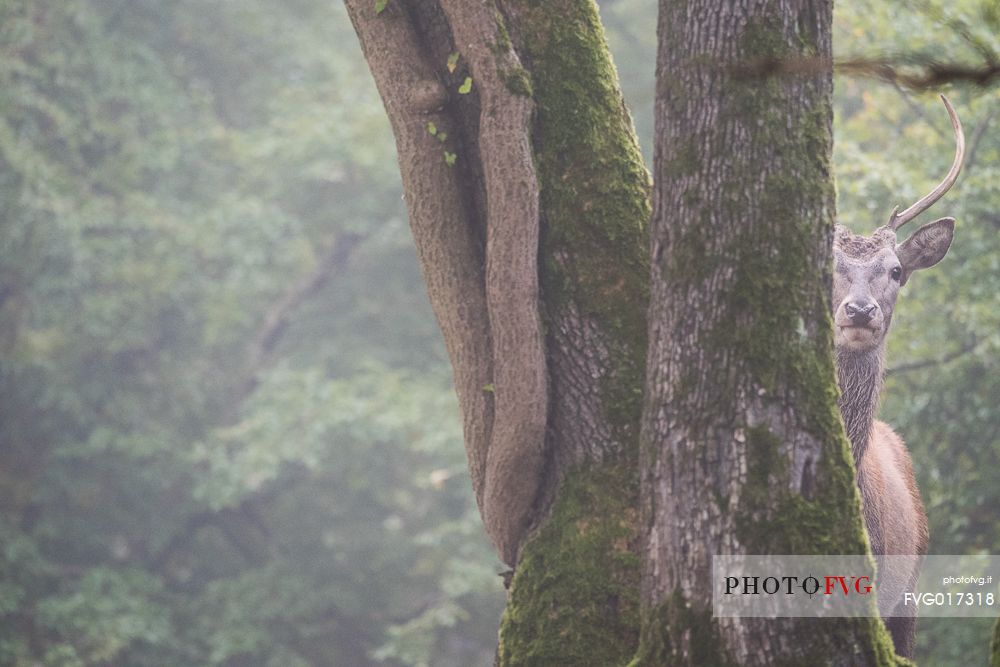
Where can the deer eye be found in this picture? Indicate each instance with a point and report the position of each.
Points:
(896, 274)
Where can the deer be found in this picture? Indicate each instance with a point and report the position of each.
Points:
(868, 272)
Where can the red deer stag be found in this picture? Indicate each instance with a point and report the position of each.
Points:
(868, 272)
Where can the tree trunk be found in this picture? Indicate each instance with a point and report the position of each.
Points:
(743, 449)
(528, 202)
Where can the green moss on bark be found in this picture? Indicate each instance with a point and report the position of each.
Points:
(518, 81)
(673, 629)
(594, 193)
(678, 634)
(769, 521)
(746, 278)
(574, 599)
(503, 37)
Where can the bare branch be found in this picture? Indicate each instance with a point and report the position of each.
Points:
(917, 109)
(277, 319)
(260, 353)
(977, 136)
(927, 74)
(223, 518)
(937, 361)
(914, 72)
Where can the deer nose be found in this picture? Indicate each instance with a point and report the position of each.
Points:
(860, 312)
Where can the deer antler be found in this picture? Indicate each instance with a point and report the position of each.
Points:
(897, 220)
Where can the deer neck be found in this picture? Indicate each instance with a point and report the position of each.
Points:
(860, 376)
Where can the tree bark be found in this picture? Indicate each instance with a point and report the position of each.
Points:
(743, 450)
(530, 221)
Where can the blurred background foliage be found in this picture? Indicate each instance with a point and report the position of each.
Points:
(227, 432)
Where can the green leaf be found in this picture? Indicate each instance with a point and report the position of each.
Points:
(466, 86)
(490, 388)
(450, 158)
(380, 6)
(453, 61)
(432, 128)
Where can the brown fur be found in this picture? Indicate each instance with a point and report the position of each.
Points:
(894, 514)
(862, 247)
(868, 273)
(895, 517)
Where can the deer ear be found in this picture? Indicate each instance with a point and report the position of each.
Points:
(926, 247)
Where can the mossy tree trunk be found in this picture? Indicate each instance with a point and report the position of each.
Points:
(743, 451)
(529, 206)
(528, 203)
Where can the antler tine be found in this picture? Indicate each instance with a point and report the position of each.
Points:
(897, 220)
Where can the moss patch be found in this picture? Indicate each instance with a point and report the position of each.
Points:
(788, 523)
(574, 596)
(518, 81)
(676, 634)
(503, 43)
(594, 193)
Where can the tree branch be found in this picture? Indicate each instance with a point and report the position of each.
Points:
(451, 256)
(977, 137)
(278, 317)
(514, 459)
(938, 361)
(929, 74)
(222, 518)
(918, 110)
(260, 353)
(913, 72)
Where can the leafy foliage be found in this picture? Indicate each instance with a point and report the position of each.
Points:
(202, 461)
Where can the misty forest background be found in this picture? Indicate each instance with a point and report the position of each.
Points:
(227, 429)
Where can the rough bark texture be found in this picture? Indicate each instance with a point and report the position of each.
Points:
(574, 597)
(490, 318)
(514, 456)
(541, 223)
(743, 451)
(451, 253)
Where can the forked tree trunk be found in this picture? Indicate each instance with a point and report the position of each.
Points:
(539, 164)
(743, 449)
(528, 203)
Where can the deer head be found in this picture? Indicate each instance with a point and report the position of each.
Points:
(869, 270)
